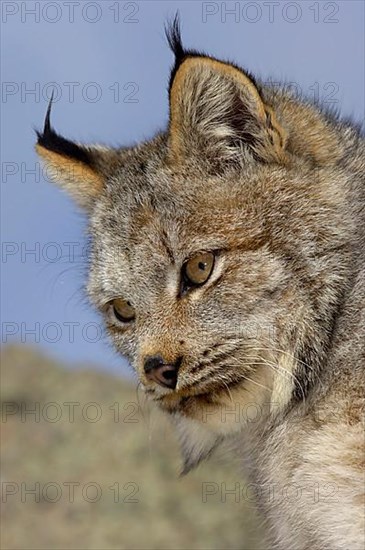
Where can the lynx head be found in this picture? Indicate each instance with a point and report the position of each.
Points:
(213, 256)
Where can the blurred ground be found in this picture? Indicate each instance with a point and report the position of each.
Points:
(88, 470)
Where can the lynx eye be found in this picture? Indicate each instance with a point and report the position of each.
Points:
(123, 310)
(198, 269)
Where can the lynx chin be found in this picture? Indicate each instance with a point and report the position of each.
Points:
(228, 257)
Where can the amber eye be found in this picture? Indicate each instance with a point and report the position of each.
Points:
(123, 310)
(198, 269)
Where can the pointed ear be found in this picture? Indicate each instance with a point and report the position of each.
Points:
(79, 169)
(196, 442)
(216, 112)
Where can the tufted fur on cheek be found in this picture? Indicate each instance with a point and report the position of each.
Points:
(217, 115)
(196, 442)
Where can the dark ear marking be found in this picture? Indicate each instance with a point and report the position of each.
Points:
(79, 169)
(173, 35)
(54, 142)
(174, 39)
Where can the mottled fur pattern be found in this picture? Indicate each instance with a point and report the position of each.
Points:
(274, 186)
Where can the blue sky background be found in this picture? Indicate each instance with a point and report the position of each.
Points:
(108, 47)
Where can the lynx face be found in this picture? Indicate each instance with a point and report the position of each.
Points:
(193, 343)
(221, 333)
(215, 244)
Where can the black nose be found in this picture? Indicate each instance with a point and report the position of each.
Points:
(162, 372)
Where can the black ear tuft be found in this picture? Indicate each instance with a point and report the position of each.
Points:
(50, 140)
(173, 35)
(47, 121)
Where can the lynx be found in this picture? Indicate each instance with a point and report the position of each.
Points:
(227, 260)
